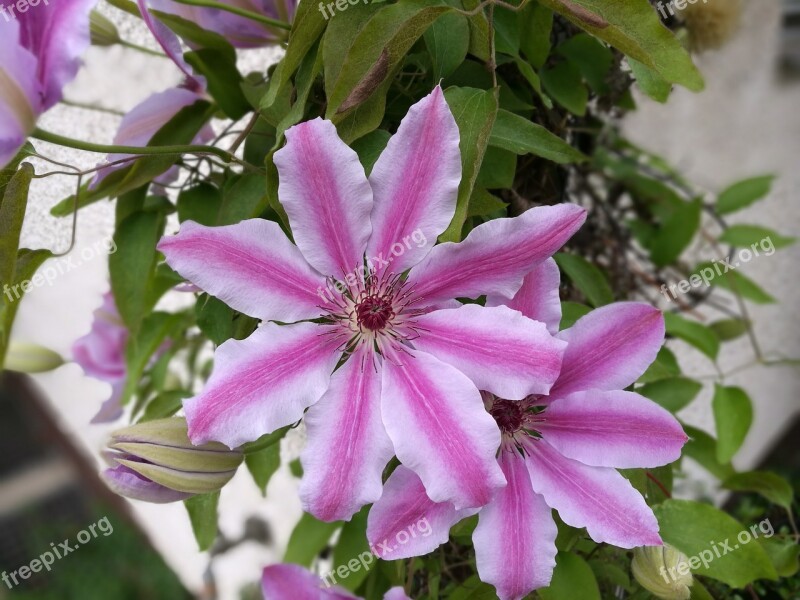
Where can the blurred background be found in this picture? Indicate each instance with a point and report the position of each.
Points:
(746, 123)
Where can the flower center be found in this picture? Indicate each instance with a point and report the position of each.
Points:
(509, 415)
(374, 312)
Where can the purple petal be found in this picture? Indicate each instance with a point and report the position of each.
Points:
(612, 429)
(610, 348)
(538, 297)
(251, 266)
(293, 582)
(101, 352)
(396, 593)
(405, 522)
(128, 483)
(140, 125)
(497, 348)
(597, 498)
(57, 35)
(495, 257)
(515, 540)
(326, 196)
(348, 447)
(111, 409)
(261, 383)
(435, 417)
(171, 45)
(415, 182)
(20, 93)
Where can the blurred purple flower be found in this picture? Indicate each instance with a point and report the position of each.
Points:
(293, 582)
(39, 52)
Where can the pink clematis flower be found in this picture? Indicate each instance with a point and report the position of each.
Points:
(39, 52)
(558, 451)
(101, 354)
(410, 359)
(293, 582)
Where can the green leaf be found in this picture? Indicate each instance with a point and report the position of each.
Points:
(571, 312)
(378, 50)
(676, 233)
(202, 511)
(498, 169)
(537, 23)
(482, 203)
(196, 35)
(744, 193)
(650, 82)
(370, 147)
(474, 111)
(214, 318)
(448, 42)
(703, 449)
(773, 487)
(696, 334)
(784, 554)
(747, 236)
(12, 212)
(696, 529)
(200, 203)
(165, 405)
(665, 366)
(243, 197)
(352, 553)
(729, 329)
(572, 578)
(224, 80)
(735, 282)
(673, 393)
(634, 28)
(263, 464)
(593, 59)
(521, 136)
(564, 83)
(733, 415)
(589, 279)
(309, 537)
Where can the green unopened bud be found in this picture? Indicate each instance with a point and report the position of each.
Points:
(31, 358)
(102, 31)
(160, 451)
(663, 571)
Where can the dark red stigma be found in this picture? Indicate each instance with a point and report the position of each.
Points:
(374, 312)
(510, 416)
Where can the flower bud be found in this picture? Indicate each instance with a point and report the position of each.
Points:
(31, 358)
(156, 462)
(656, 570)
(711, 24)
(102, 31)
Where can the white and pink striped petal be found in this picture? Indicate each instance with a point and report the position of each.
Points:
(538, 297)
(500, 350)
(348, 448)
(251, 266)
(435, 418)
(261, 383)
(515, 540)
(326, 196)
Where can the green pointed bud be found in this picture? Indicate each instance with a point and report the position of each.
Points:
(102, 31)
(31, 358)
(161, 453)
(663, 571)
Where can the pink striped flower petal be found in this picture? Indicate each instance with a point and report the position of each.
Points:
(435, 417)
(293, 582)
(405, 522)
(515, 540)
(612, 429)
(597, 498)
(396, 593)
(261, 383)
(415, 182)
(326, 196)
(610, 348)
(251, 266)
(500, 350)
(348, 447)
(538, 297)
(495, 257)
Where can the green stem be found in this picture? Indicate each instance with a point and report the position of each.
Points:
(141, 49)
(54, 138)
(247, 14)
